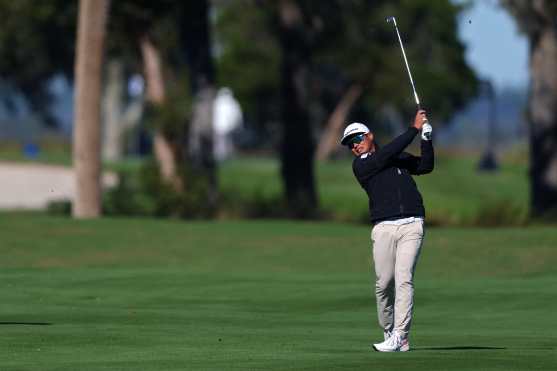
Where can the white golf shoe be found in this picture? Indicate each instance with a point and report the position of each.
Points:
(393, 344)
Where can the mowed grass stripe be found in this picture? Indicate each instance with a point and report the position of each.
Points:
(269, 246)
(120, 294)
(203, 321)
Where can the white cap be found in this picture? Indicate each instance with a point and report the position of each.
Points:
(353, 129)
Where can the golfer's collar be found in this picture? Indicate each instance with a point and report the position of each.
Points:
(365, 155)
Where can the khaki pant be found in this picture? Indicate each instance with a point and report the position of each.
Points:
(395, 253)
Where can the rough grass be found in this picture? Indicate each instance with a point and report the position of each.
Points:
(454, 194)
(124, 294)
(51, 151)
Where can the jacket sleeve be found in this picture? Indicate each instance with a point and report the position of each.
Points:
(419, 165)
(382, 157)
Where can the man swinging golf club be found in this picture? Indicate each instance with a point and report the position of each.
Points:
(397, 214)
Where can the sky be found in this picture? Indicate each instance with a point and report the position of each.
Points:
(495, 48)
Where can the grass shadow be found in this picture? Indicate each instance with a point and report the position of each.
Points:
(464, 347)
(26, 323)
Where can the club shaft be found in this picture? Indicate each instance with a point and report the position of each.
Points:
(407, 67)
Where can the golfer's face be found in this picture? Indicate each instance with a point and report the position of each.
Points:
(362, 147)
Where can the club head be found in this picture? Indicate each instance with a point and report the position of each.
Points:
(391, 20)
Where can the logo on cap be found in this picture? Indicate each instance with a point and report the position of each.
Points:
(353, 129)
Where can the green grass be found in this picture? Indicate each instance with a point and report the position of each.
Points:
(52, 151)
(124, 294)
(454, 194)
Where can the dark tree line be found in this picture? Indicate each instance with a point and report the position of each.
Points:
(308, 66)
(332, 60)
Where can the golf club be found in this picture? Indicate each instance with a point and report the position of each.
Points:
(393, 21)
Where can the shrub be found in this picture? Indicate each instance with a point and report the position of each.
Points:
(500, 213)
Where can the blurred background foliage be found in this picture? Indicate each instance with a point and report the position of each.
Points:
(351, 43)
(300, 70)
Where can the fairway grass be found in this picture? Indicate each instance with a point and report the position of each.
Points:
(122, 294)
(455, 193)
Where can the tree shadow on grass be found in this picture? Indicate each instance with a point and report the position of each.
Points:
(464, 347)
(26, 323)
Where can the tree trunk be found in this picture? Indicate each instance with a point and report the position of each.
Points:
(112, 110)
(543, 123)
(163, 149)
(297, 146)
(537, 20)
(197, 42)
(201, 140)
(87, 129)
(333, 130)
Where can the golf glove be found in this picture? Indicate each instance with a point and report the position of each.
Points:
(426, 131)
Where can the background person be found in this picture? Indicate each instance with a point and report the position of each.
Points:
(397, 214)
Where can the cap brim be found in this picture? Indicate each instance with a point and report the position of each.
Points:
(344, 140)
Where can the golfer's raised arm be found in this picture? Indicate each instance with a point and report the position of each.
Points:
(427, 158)
(418, 165)
(394, 148)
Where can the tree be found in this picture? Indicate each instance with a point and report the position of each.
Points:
(297, 144)
(136, 36)
(250, 68)
(372, 65)
(166, 40)
(37, 42)
(174, 44)
(88, 70)
(325, 61)
(165, 151)
(537, 21)
(195, 37)
(112, 143)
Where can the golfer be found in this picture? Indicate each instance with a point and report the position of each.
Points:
(397, 214)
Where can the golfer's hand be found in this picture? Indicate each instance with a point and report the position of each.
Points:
(426, 131)
(420, 119)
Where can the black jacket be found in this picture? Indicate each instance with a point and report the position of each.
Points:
(386, 177)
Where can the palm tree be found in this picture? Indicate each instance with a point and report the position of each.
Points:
(92, 17)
